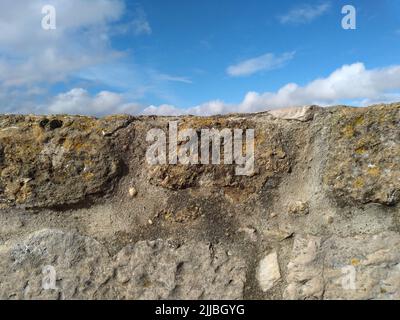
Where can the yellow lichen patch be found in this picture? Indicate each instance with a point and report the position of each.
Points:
(72, 144)
(355, 262)
(359, 121)
(76, 144)
(88, 163)
(168, 215)
(112, 118)
(203, 123)
(235, 195)
(88, 175)
(375, 171)
(348, 131)
(38, 133)
(280, 153)
(366, 140)
(85, 124)
(358, 183)
(23, 194)
(260, 137)
(361, 150)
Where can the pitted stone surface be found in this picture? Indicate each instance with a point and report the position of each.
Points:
(83, 269)
(160, 270)
(363, 164)
(358, 267)
(53, 161)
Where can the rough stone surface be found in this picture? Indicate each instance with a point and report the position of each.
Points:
(274, 151)
(162, 270)
(364, 155)
(323, 269)
(299, 207)
(318, 219)
(147, 270)
(43, 158)
(81, 264)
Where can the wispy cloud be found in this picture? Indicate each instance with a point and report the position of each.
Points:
(268, 61)
(140, 23)
(167, 77)
(304, 13)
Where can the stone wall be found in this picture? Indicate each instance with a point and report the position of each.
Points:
(318, 219)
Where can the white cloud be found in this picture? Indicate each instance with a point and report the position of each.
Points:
(304, 13)
(349, 83)
(76, 19)
(79, 101)
(208, 108)
(265, 62)
(30, 56)
(50, 67)
(163, 110)
(33, 59)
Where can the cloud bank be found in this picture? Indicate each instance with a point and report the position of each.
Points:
(79, 101)
(354, 83)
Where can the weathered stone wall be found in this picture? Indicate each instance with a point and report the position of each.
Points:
(318, 219)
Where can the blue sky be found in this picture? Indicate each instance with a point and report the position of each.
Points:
(200, 57)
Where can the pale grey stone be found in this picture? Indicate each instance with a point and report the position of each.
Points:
(296, 113)
(357, 267)
(268, 272)
(146, 270)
